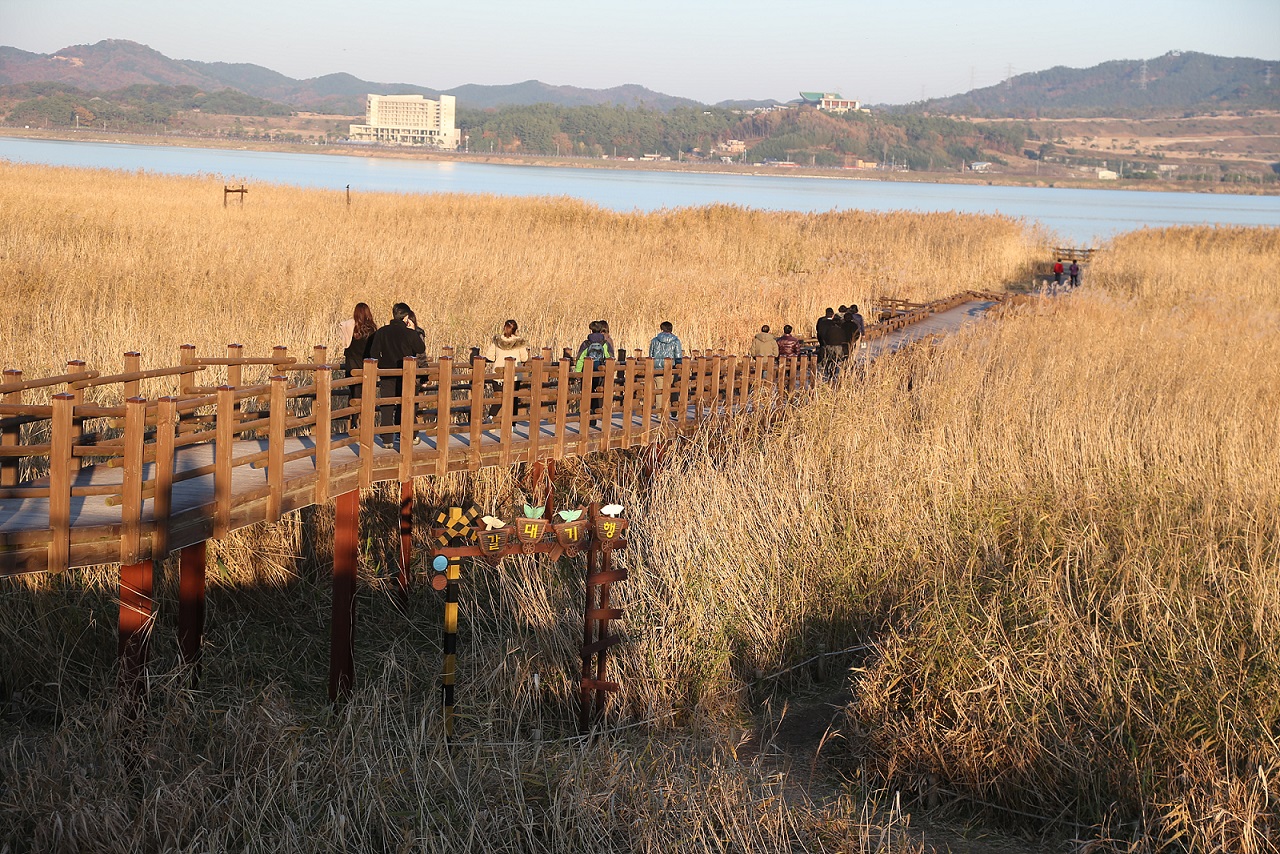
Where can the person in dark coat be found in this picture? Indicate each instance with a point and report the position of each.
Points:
(854, 327)
(391, 344)
(788, 344)
(830, 333)
(357, 333)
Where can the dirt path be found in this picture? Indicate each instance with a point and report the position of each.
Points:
(802, 737)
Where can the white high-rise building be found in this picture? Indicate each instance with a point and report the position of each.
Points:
(409, 120)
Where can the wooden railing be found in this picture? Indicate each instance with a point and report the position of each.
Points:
(84, 483)
(143, 449)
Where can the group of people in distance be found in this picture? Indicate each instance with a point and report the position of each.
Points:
(362, 338)
(838, 334)
(1073, 271)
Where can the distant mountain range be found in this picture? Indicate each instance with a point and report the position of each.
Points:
(115, 64)
(1174, 82)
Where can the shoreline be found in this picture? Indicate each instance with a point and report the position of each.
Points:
(545, 161)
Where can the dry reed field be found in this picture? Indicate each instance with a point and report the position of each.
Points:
(104, 262)
(1052, 543)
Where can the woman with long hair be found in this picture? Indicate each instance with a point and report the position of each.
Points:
(357, 334)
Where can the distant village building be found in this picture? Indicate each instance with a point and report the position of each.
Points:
(409, 120)
(980, 166)
(831, 102)
(1107, 175)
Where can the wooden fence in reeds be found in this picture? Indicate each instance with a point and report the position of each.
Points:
(204, 460)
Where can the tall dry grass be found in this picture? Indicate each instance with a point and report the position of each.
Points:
(96, 263)
(1060, 532)
(1052, 542)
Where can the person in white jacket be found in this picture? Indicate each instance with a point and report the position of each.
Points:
(509, 344)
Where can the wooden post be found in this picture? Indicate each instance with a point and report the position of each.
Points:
(646, 412)
(77, 424)
(186, 356)
(444, 413)
(135, 425)
(584, 409)
(346, 545)
(713, 390)
(162, 505)
(744, 383)
(368, 406)
(562, 406)
(132, 364)
(406, 539)
(60, 445)
(235, 378)
(682, 400)
(275, 447)
(537, 379)
(610, 372)
(628, 403)
(136, 590)
(477, 409)
(224, 452)
(408, 393)
(191, 605)
(323, 431)
(12, 433)
(279, 355)
(320, 354)
(506, 432)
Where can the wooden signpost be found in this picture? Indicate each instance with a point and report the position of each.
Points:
(597, 531)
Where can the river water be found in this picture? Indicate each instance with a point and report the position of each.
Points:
(1080, 217)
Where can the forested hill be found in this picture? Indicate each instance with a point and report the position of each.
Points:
(115, 64)
(1173, 83)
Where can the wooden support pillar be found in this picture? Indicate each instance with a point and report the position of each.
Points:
(346, 546)
(191, 599)
(406, 539)
(136, 589)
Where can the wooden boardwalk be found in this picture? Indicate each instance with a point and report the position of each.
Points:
(171, 472)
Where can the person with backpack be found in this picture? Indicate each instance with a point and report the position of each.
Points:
(666, 346)
(596, 349)
(1057, 276)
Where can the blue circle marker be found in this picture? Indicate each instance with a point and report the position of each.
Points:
(439, 563)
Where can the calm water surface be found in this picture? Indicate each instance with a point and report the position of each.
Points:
(1076, 216)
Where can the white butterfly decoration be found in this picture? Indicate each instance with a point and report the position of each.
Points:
(611, 510)
(493, 523)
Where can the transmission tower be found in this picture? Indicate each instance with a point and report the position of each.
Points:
(1142, 77)
(1267, 77)
(1008, 74)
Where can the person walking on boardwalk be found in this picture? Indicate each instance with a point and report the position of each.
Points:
(854, 327)
(1074, 271)
(1057, 276)
(597, 349)
(391, 344)
(830, 342)
(357, 333)
(663, 348)
(508, 344)
(763, 344)
(665, 345)
(788, 344)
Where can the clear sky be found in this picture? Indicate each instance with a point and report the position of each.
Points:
(710, 50)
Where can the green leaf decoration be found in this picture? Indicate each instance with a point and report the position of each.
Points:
(570, 515)
(531, 512)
